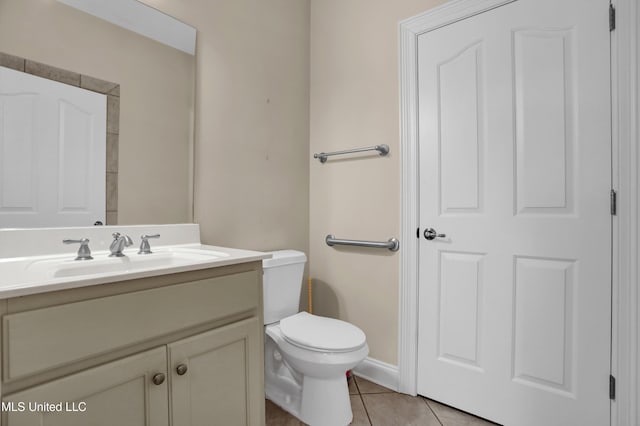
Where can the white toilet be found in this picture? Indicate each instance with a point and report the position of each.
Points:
(306, 356)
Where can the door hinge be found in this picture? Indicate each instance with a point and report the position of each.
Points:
(612, 17)
(614, 202)
(612, 387)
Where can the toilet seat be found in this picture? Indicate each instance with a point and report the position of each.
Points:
(321, 334)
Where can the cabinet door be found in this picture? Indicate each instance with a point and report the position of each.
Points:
(224, 382)
(119, 393)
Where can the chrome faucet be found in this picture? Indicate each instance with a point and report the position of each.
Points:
(119, 243)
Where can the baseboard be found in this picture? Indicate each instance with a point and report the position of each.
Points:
(378, 372)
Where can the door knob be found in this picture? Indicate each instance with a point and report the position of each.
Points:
(158, 379)
(431, 234)
(181, 369)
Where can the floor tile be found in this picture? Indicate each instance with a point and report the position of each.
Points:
(451, 417)
(394, 409)
(353, 388)
(360, 417)
(365, 386)
(276, 416)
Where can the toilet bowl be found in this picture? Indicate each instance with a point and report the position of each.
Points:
(306, 356)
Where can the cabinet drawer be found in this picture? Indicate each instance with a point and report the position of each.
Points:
(43, 339)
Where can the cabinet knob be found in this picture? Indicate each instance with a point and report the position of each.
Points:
(158, 379)
(181, 369)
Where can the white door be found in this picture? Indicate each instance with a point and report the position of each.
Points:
(515, 169)
(52, 153)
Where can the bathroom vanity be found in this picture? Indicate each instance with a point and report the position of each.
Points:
(176, 344)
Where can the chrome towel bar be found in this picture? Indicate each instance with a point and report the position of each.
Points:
(382, 149)
(392, 244)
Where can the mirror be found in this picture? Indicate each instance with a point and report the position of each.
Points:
(150, 112)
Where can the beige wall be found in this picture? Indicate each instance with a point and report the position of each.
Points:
(278, 80)
(355, 102)
(252, 120)
(156, 103)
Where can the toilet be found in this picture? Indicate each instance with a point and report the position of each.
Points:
(306, 356)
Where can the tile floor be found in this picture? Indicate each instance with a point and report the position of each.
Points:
(374, 405)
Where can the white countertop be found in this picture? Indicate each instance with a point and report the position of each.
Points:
(37, 268)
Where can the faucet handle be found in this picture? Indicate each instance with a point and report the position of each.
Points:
(84, 252)
(145, 248)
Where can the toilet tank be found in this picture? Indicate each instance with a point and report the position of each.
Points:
(282, 283)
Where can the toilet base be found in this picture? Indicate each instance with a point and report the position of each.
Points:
(325, 402)
(319, 402)
(288, 401)
(282, 385)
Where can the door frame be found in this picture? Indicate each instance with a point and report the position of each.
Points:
(625, 88)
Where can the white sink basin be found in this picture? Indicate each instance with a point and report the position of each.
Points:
(35, 261)
(161, 258)
(47, 271)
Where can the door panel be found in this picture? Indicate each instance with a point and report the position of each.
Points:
(545, 108)
(460, 292)
(515, 169)
(460, 88)
(543, 350)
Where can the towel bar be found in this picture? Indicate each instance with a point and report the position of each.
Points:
(392, 244)
(382, 149)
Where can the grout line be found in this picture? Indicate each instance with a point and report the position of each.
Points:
(426, 401)
(365, 409)
(362, 400)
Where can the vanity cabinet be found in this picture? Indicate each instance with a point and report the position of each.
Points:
(184, 349)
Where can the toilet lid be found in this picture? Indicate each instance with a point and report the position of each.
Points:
(315, 332)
